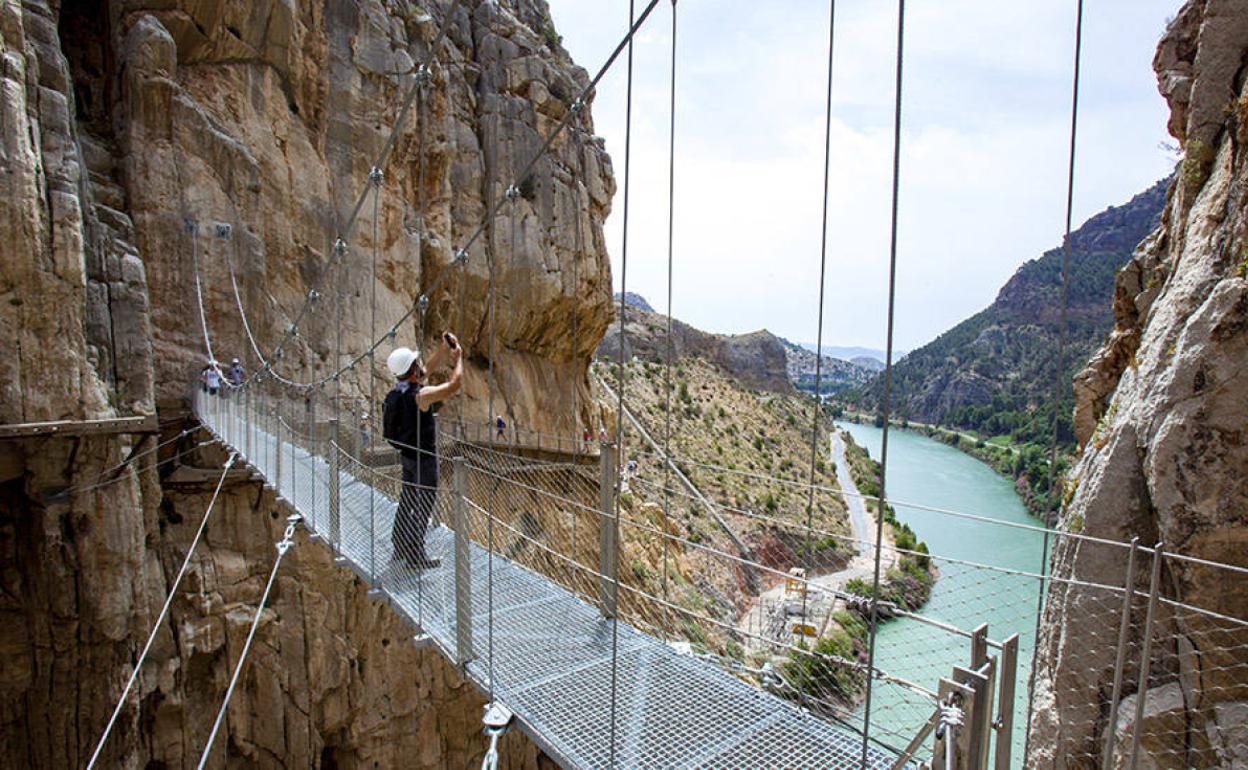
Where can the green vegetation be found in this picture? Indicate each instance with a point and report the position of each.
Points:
(828, 670)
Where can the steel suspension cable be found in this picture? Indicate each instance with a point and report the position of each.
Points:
(238, 301)
(823, 271)
(667, 376)
(164, 612)
(282, 547)
(193, 228)
(619, 416)
(1058, 373)
(888, 371)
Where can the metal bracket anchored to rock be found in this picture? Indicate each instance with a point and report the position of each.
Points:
(497, 721)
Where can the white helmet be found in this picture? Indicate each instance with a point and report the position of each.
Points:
(401, 360)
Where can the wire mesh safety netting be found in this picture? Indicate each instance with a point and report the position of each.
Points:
(722, 658)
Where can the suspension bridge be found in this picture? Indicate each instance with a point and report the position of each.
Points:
(560, 661)
(598, 667)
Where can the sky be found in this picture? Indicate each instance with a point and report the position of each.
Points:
(986, 122)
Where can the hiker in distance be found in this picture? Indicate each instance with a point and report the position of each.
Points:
(408, 423)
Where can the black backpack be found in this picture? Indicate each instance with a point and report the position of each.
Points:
(392, 420)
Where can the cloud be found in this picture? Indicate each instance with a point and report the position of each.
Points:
(984, 152)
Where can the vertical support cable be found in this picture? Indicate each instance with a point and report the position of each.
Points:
(888, 376)
(578, 179)
(314, 445)
(374, 177)
(823, 268)
(491, 256)
(667, 375)
(463, 567)
(1057, 374)
(335, 494)
(619, 415)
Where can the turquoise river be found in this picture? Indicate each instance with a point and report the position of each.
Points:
(979, 582)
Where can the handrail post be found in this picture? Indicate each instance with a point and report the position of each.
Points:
(314, 443)
(1005, 709)
(294, 466)
(608, 533)
(246, 426)
(277, 442)
(1146, 655)
(1128, 598)
(335, 489)
(463, 567)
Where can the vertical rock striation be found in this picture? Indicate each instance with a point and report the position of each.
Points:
(1162, 413)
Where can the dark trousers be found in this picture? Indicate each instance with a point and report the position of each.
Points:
(411, 522)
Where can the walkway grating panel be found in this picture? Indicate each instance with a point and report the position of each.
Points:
(552, 651)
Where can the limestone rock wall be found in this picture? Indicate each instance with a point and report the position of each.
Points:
(1163, 415)
(121, 121)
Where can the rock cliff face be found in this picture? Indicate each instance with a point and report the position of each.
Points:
(122, 120)
(1162, 412)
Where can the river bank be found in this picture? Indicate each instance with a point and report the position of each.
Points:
(1026, 465)
(983, 559)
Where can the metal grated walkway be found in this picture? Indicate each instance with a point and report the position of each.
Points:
(552, 651)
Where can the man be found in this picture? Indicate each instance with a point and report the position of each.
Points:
(236, 373)
(409, 425)
(210, 377)
(501, 426)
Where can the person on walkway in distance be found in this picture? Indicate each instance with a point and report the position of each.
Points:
(210, 378)
(236, 373)
(501, 426)
(408, 423)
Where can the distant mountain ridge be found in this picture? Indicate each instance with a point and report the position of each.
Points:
(633, 299)
(994, 371)
(757, 359)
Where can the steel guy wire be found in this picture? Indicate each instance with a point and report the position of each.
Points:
(288, 539)
(86, 487)
(873, 624)
(164, 612)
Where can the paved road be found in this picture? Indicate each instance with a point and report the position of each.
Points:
(864, 532)
(862, 565)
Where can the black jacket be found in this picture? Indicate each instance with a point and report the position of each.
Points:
(413, 432)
